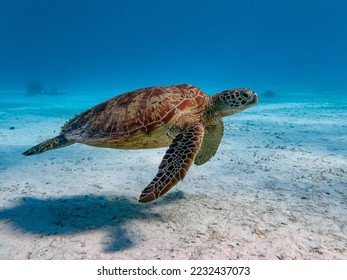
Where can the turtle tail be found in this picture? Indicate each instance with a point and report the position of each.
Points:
(50, 144)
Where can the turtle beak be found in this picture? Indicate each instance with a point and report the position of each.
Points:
(255, 99)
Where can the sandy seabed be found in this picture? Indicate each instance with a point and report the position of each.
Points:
(277, 189)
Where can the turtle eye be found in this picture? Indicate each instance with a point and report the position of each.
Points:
(245, 95)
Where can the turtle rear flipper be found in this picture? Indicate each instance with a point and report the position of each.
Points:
(50, 144)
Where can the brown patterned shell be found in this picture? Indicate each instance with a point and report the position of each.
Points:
(135, 113)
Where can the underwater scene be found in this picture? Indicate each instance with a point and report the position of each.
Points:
(174, 130)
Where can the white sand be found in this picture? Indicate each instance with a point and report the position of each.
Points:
(277, 189)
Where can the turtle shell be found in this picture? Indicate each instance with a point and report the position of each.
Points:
(135, 113)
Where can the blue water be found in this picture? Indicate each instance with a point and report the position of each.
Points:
(110, 45)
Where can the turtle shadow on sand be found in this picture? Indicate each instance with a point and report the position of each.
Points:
(76, 214)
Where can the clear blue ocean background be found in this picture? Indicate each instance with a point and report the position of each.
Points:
(114, 46)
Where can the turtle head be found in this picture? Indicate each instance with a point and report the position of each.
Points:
(234, 101)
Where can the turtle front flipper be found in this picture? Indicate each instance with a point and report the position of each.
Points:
(212, 138)
(54, 143)
(176, 162)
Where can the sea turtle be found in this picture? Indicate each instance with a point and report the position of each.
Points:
(182, 117)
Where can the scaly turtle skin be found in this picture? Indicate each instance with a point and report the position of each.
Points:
(182, 117)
